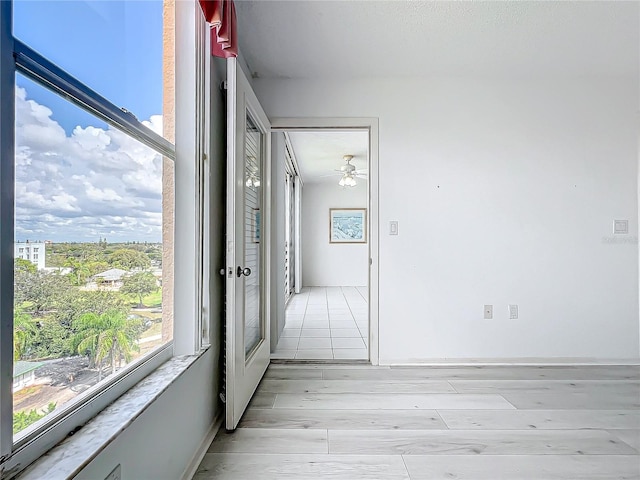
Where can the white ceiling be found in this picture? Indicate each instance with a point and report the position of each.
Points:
(320, 153)
(321, 39)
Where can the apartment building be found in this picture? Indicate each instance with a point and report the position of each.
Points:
(32, 251)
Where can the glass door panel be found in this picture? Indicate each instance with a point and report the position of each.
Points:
(253, 328)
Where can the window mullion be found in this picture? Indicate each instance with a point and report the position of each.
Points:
(7, 189)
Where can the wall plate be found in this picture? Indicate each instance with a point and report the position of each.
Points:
(621, 227)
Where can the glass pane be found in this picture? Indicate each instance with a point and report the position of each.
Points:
(253, 331)
(115, 47)
(88, 254)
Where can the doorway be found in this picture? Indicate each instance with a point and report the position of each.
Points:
(326, 234)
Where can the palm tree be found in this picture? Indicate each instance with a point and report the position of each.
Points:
(24, 330)
(79, 269)
(108, 336)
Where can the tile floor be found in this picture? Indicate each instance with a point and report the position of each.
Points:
(325, 323)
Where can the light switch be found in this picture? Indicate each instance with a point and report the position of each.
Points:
(393, 228)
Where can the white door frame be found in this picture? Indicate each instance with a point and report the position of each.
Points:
(359, 123)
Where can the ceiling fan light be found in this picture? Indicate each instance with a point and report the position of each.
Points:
(342, 182)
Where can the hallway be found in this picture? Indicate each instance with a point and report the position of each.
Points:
(324, 323)
(360, 422)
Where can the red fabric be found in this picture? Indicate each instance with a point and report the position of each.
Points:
(212, 10)
(221, 14)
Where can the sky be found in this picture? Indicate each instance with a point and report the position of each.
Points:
(78, 179)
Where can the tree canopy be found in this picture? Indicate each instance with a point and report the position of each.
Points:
(139, 284)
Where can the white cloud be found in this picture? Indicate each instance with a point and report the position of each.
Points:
(89, 183)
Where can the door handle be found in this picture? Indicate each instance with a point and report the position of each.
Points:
(243, 271)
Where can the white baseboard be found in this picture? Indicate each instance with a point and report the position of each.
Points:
(551, 361)
(193, 464)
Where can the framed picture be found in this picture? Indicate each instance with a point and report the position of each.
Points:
(347, 225)
(255, 230)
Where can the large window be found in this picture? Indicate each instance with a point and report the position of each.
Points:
(89, 193)
(90, 197)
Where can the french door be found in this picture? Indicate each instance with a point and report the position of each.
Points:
(247, 347)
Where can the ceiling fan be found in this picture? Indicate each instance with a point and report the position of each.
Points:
(349, 173)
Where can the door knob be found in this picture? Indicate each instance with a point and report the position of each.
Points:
(244, 271)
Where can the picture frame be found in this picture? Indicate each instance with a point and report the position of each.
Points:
(255, 226)
(347, 225)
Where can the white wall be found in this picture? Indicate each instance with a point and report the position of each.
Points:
(327, 264)
(505, 192)
(161, 442)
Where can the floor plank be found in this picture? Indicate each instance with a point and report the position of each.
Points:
(267, 440)
(301, 467)
(596, 372)
(350, 401)
(262, 400)
(540, 419)
(590, 387)
(474, 442)
(355, 386)
(630, 437)
(293, 373)
(343, 419)
(574, 401)
(523, 467)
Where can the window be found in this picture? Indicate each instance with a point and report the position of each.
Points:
(90, 182)
(97, 194)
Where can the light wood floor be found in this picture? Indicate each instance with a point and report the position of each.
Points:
(489, 423)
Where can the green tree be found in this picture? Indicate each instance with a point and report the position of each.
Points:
(79, 270)
(139, 284)
(128, 259)
(96, 267)
(22, 420)
(22, 265)
(54, 340)
(110, 336)
(24, 332)
(41, 290)
(74, 303)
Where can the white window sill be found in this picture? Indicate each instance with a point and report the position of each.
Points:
(70, 456)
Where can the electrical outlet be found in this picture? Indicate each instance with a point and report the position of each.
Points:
(488, 312)
(116, 474)
(513, 312)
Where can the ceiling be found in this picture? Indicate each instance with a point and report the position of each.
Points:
(320, 153)
(351, 39)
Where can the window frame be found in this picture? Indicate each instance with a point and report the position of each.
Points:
(16, 57)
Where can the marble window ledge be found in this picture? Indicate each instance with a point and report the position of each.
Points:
(70, 456)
